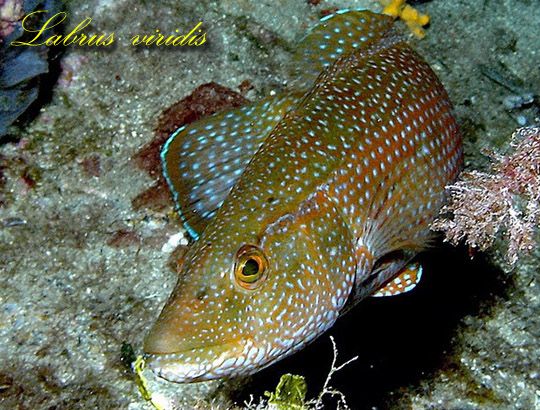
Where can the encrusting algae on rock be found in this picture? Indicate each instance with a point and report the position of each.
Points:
(301, 205)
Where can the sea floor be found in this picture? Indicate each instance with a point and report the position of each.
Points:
(86, 268)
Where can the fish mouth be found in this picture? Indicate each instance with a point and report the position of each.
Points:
(208, 363)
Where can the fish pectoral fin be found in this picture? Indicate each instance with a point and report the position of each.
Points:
(203, 161)
(335, 36)
(406, 281)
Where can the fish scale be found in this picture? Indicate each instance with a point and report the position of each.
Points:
(232, 137)
(301, 205)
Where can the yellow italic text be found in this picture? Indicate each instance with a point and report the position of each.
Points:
(193, 38)
(74, 37)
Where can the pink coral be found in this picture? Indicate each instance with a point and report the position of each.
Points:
(481, 204)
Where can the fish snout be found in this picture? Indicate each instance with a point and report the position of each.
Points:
(194, 339)
(206, 363)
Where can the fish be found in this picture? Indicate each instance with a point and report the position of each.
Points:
(302, 204)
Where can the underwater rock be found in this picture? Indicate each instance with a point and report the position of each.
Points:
(21, 67)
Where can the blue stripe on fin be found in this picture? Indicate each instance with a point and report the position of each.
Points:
(203, 161)
(194, 235)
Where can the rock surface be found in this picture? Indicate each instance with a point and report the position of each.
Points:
(83, 271)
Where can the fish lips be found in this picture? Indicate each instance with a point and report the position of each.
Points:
(209, 362)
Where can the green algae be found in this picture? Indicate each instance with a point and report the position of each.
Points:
(290, 393)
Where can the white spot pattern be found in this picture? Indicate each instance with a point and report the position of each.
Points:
(354, 171)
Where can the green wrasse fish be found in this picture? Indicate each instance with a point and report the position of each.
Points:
(301, 205)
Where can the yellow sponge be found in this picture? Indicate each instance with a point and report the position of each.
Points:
(414, 19)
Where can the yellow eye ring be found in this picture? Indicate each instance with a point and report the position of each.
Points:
(250, 267)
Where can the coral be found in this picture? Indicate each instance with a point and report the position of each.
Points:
(412, 17)
(481, 204)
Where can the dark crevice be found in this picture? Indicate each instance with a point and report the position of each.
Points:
(400, 340)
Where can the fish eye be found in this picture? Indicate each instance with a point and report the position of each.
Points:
(250, 267)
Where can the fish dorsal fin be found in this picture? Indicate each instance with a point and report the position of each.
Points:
(203, 161)
(404, 282)
(336, 36)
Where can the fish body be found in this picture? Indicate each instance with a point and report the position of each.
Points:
(301, 205)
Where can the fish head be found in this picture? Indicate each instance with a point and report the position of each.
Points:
(243, 303)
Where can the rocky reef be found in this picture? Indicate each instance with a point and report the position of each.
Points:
(86, 268)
